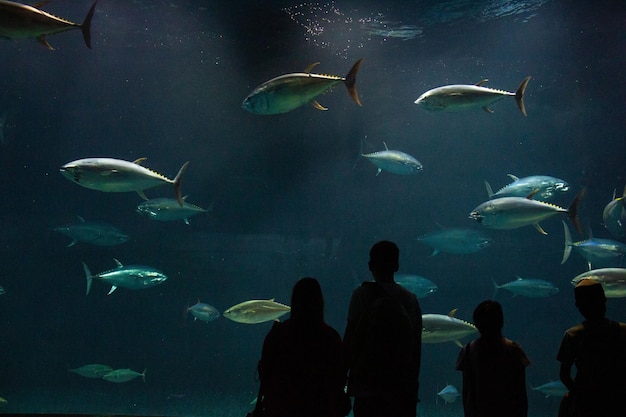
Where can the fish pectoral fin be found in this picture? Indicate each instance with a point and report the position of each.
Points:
(487, 109)
(539, 229)
(142, 195)
(318, 106)
(42, 40)
(458, 343)
(113, 288)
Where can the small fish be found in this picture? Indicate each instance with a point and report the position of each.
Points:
(613, 280)
(439, 328)
(168, 209)
(459, 97)
(290, 91)
(123, 375)
(420, 286)
(93, 370)
(204, 312)
(256, 311)
(388, 30)
(600, 252)
(118, 176)
(132, 277)
(547, 187)
(514, 212)
(449, 393)
(528, 287)
(552, 389)
(456, 241)
(396, 162)
(614, 216)
(95, 233)
(20, 21)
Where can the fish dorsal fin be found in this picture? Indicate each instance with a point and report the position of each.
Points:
(531, 195)
(518, 278)
(385, 143)
(452, 313)
(489, 190)
(118, 263)
(481, 82)
(138, 161)
(80, 219)
(310, 67)
(513, 177)
(40, 4)
(317, 105)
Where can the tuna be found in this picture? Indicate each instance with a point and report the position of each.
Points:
(93, 370)
(614, 216)
(132, 277)
(395, 162)
(123, 375)
(528, 287)
(613, 280)
(256, 311)
(420, 286)
(203, 312)
(168, 209)
(439, 328)
(600, 252)
(456, 241)
(94, 233)
(546, 187)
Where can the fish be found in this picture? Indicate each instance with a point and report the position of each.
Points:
(204, 312)
(256, 311)
(547, 187)
(93, 370)
(2, 290)
(21, 21)
(396, 162)
(449, 393)
(614, 216)
(528, 287)
(601, 252)
(460, 97)
(123, 375)
(119, 176)
(459, 241)
(3, 402)
(514, 212)
(613, 280)
(168, 209)
(95, 233)
(132, 277)
(551, 389)
(439, 328)
(420, 286)
(290, 91)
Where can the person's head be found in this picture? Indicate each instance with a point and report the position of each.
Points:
(307, 302)
(489, 319)
(590, 299)
(384, 260)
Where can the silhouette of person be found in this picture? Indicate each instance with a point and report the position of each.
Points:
(597, 347)
(301, 370)
(383, 365)
(494, 368)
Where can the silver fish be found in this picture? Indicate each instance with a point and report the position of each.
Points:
(123, 375)
(204, 312)
(20, 21)
(614, 215)
(552, 389)
(514, 212)
(396, 162)
(290, 91)
(613, 280)
(95, 233)
(256, 311)
(546, 187)
(118, 176)
(132, 277)
(449, 394)
(456, 241)
(420, 286)
(459, 97)
(439, 328)
(168, 209)
(528, 287)
(93, 370)
(600, 252)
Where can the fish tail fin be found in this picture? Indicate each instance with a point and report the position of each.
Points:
(360, 152)
(496, 287)
(351, 82)
(572, 210)
(177, 182)
(85, 27)
(568, 244)
(88, 277)
(519, 95)
(489, 189)
(143, 375)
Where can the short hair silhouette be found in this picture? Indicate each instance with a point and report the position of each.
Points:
(590, 299)
(307, 301)
(384, 256)
(488, 318)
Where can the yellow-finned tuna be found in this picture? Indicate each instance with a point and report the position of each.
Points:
(21, 21)
(290, 91)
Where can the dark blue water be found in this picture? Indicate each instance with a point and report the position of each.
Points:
(165, 80)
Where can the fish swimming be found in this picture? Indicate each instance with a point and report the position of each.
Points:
(449, 394)
(613, 280)
(420, 286)
(459, 97)
(614, 215)
(168, 209)
(256, 311)
(204, 312)
(93, 370)
(396, 162)
(290, 91)
(132, 277)
(21, 21)
(547, 187)
(528, 287)
(514, 212)
(456, 241)
(123, 375)
(95, 233)
(600, 252)
(439, 328)
(551, 389)
(119, 176)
